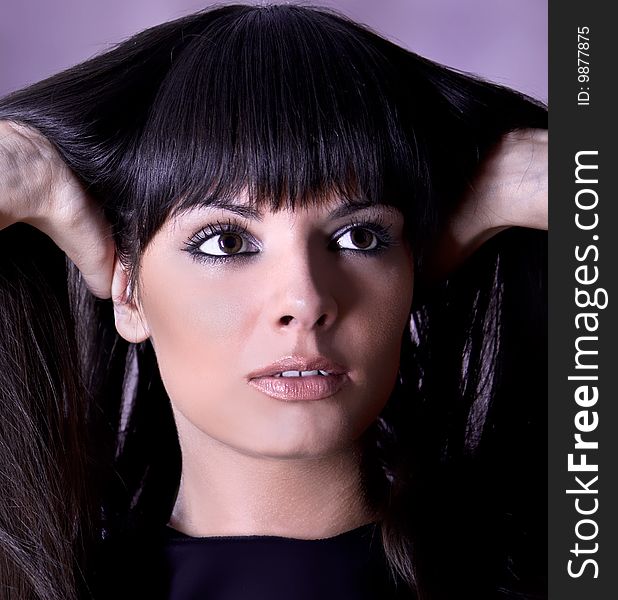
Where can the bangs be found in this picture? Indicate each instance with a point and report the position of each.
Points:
(285, 106)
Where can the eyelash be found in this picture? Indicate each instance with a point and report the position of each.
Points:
(377, 226)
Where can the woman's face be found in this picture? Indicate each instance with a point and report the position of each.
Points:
(226, 292)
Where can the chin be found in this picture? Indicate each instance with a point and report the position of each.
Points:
(298, 444)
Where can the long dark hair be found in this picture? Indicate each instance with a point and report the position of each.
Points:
(292, 103)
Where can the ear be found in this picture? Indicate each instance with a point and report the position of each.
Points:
(130, 322)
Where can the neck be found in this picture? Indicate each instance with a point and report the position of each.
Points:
(226, 492)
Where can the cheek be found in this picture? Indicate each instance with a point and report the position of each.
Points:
(385, 301)
(196, 324)
(384, 314)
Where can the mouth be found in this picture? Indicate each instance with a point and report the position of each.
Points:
(298, 378)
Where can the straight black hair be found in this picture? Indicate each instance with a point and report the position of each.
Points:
(290, 104)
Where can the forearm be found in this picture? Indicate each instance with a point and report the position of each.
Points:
(509, 190)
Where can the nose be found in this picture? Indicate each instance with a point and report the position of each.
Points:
(305, 295)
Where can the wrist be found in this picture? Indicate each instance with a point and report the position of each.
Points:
(516, 190)
(26, 173)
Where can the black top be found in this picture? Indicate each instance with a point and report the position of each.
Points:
(349, 566)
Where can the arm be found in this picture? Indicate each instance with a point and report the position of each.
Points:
(38, 188)
(510, 189)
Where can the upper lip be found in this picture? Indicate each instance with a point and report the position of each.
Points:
(298, 363)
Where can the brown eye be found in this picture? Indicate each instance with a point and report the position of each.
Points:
(230, 243)
(362, 237)
(358, 238)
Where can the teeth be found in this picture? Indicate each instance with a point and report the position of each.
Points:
(290, 374)
(302, 373)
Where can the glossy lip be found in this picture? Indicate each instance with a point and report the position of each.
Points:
(313, 387)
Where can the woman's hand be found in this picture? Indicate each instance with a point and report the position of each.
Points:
(510, 189)
(38, 188)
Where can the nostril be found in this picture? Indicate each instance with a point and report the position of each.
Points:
(286, 319)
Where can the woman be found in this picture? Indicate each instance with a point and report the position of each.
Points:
(259, 189)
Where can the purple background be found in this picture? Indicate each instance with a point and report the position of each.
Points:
(502, 40)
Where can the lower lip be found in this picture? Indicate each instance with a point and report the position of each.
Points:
(313, 387)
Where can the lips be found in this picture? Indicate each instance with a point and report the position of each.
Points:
(299, 363)
(297, 378)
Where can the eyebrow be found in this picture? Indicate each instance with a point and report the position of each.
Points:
(248, 212)
(352, 207)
